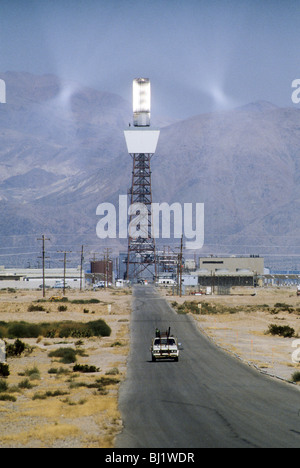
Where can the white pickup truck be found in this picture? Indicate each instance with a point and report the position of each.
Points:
(164, 346)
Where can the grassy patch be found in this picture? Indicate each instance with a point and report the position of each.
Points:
(15, 349)
(207, 308)
(4, 369)
(55, 329)
(48, 393)
(100, 384)
(25, 384)
(36, 308)
(59, 371)
(296, 376)
(284, 307)
(113, 371)
(281, 330)
(85, 368)
(33, 373)
(66, 355)
(204, 308)
(85, 301)
(3, 386)
(7, 397)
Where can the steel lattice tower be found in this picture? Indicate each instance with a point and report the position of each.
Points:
(141, 250)
(141, 143)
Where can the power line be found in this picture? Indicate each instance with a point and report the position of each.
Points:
(19, 253)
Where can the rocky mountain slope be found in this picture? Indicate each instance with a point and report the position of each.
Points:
(244, 165)
(63, 152)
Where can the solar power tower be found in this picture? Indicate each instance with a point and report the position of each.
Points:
(141, 143)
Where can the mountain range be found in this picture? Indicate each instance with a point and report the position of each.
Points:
(63, 152)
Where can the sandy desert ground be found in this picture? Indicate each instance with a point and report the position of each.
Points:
(243, 330)
(74, 413)
(66, 409)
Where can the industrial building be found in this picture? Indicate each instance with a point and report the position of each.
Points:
(32, 278)
(233, 264)
(101, 270)
(222, 273)
(219, 274)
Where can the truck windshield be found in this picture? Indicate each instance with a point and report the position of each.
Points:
(165, 341)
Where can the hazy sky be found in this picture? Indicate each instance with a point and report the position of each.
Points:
(200, 55)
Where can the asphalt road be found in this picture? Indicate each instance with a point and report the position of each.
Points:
(206, 400)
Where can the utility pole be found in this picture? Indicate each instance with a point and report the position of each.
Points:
(81, 267)
(65, 264)
(106, 264)
(180, 266)
(43, 239)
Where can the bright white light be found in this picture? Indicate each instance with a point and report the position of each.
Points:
(141, 95)
(141, 99)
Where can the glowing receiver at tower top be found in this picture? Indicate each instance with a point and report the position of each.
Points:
(140, 138)
(141, 94)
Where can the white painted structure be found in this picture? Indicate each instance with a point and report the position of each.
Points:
(141, 140)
